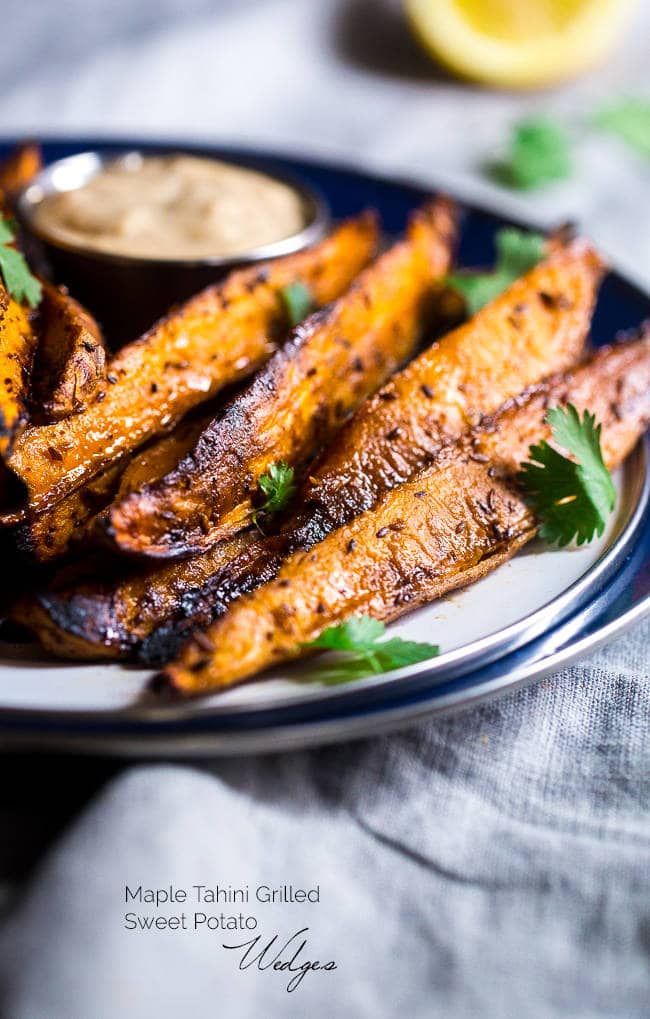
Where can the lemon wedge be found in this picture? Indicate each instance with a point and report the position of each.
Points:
(518, 43)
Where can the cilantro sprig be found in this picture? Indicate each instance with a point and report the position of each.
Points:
(362, 651)
(572, 497)
(18, 280)
(629, 119)
(538, 154)
(298, 302)
(278, 485)
(517, 251)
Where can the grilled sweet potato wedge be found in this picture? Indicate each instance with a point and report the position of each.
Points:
(214, 339)
(17, 346)
(77, 617)
(140, 612)
(20, 168)
(453, 523)
(51, 534)
(297, 400)
(457, 366)
(70, 364)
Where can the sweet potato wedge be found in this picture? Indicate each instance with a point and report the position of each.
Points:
(70, 363)
(216, 338)
(20, 167)
(460, 369)
(17, 346)
(297, 401)
(78, 617)
(454, 522)
(51, 534)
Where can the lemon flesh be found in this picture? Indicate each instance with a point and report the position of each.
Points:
(518, 43)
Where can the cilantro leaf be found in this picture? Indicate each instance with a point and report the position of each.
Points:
(539, 154)
(517, 251)
(358, 640)
(358, 632)
(572, 498)
(298, 302)
(7, 230)
(630, 120)
(17, 278)
(278, 486)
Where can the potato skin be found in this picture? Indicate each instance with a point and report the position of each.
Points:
(54, 533)
(18, 337)
(17, 346)
(453, 523)
(80, 616)
(297, 401)
(70, 363)
(20, 168)
(216, 338)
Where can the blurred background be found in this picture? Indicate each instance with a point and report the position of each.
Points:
(338, 78)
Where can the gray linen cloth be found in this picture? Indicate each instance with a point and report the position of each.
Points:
(494, 864)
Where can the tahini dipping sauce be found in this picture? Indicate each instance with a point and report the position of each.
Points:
(175, 207)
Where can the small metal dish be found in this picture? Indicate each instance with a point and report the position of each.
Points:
(127, 294)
